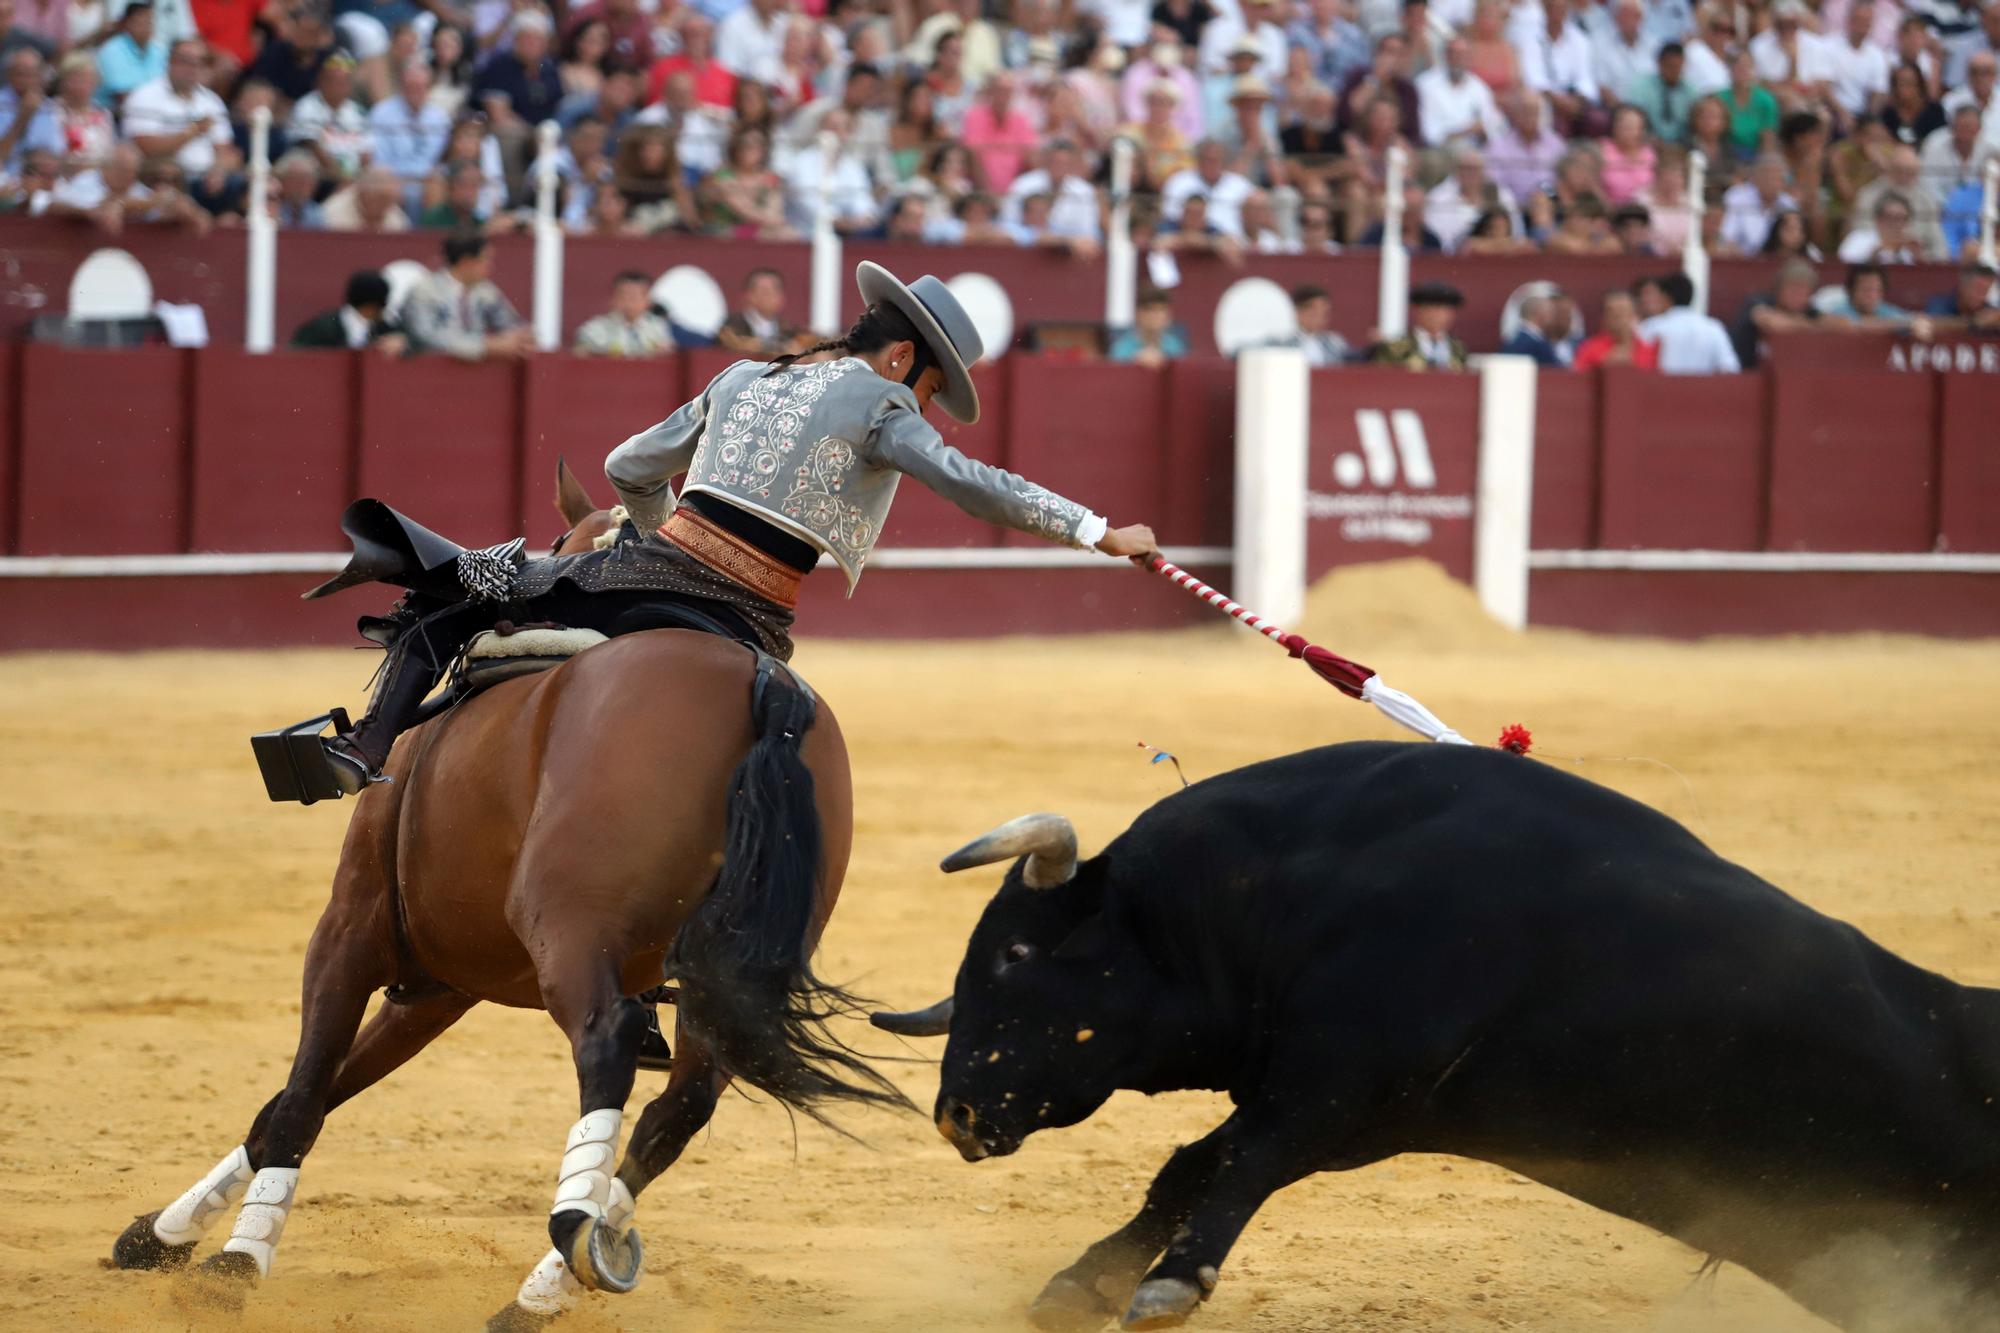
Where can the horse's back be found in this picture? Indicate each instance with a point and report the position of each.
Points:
(582, 807)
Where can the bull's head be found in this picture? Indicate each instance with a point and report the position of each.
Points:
(1049, 1008)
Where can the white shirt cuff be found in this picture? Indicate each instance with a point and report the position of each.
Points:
(1091, 531)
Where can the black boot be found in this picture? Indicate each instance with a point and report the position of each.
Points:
(351, 770)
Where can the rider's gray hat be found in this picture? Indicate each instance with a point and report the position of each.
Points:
(942, 323)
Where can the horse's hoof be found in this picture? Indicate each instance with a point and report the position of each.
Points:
(1164, 1302)
(517, 1318)
(139, 1247)
(222, 1281)
(604, 1261)
(1068, 1306)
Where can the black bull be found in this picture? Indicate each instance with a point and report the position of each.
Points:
(1379, 948)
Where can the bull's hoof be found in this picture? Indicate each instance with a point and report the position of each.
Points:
(139, 1247)
(517, 1318)
(1164, 1302)
(603, 1260)
(221, 1281)
(1068, 1306)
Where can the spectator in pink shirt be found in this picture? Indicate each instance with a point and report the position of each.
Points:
(1629, 157)
(1523, 151)
(999, 131)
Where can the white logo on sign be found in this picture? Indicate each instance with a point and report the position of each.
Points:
(1411, 445)
(1394, 448)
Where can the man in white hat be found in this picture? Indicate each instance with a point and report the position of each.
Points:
(785, 463)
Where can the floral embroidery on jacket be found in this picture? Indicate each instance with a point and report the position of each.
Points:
(815, 500)
(747, 450)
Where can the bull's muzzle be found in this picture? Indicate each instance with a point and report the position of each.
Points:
(959, 1124)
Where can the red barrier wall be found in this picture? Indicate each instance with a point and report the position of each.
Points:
(1853, 462)
(104, 451)
(1043, 284)
(1683, 461)
(1969, 465)
(274, 440)
(161, 451)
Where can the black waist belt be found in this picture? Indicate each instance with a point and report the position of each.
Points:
(769, 538)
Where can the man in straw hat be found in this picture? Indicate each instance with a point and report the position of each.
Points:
(786, 463)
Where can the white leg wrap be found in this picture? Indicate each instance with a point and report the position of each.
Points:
(188, 1218)
(262, 1219)
(584, 1183)
(551, 1288)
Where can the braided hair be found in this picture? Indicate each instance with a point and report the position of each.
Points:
(880, 325)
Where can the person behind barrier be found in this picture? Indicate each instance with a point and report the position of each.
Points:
(1617, 342)
(1429, 344)
(786, 465)
(1691, 343)
(361, 320)
(631, 327)
(1152, 340)
(458, 311)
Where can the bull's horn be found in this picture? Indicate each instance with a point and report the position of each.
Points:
(1048, 841)
(932, 1022)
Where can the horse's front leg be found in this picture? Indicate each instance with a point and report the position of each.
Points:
(662, 1133)
(344, 964)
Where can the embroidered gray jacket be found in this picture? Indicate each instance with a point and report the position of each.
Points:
(817, 450)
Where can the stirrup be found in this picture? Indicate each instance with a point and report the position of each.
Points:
(296, 764)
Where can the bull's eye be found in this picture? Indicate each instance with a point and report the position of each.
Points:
(1016, 952)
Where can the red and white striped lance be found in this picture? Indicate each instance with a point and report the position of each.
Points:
(1349, 677)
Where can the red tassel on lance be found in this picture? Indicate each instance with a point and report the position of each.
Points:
(1514, 739)
(1295, 644)
(1345, 676)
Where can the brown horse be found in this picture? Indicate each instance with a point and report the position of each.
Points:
(667, 802)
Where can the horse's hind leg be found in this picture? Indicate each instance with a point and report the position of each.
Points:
(663, 1131)
(580, 988)
(344, 963)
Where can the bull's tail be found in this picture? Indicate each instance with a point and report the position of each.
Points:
(742, 961)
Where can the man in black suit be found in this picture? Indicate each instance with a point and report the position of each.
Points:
(361, 321)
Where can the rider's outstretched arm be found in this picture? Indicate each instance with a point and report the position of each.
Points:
(641, 468)
(903, 440)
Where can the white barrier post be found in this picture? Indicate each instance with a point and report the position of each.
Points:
(1504, 504)
(1121, 261)
(1989, 214)
(1272, 388)
(1694, 254)
(826, 277)
(1392, 296)
(260, 283)
(548, 241)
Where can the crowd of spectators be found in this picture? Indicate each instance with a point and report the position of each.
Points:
(1849, 128)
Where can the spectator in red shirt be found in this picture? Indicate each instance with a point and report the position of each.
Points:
(713, 85)
(1619, 344)
(226, 26)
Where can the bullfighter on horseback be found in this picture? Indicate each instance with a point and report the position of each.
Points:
(785, 463)
(520, 856)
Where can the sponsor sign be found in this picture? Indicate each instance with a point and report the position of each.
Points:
(1392, 473)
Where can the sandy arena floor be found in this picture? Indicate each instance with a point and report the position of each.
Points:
(154, 911)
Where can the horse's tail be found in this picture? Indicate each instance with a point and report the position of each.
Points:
(742, 961)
